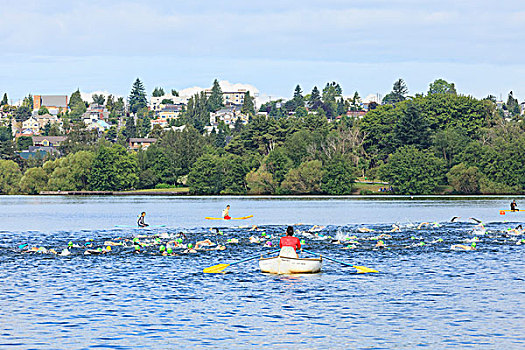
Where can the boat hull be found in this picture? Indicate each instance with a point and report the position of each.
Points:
(283, 265)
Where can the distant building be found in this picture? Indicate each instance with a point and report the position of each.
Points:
(49, 141)
(31, 124)
(44, 119)
(229, 115)
(96, 111)
(170, 111)
(55, 104)
(144, 143)
(157, 105)
(231, 97)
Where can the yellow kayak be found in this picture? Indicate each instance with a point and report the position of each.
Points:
(244, 217)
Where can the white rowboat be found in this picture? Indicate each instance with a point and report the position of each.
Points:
(285, 265)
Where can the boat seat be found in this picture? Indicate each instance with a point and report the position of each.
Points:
(288, 252)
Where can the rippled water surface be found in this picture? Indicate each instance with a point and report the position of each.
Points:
(426, 294)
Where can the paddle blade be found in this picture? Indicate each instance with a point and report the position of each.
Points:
(208, 218)
(502, 212)
(215, 268)
(364, 269)
(243, 218)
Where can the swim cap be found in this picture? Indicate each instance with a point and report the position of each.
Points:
(135, 239)
(69, 244)
(473, 245)
(380, 242)
(170, 250)
(108, 248)
(179, 240)
(137, 247)
(303, 241)
(412, 237)
(421, 243)
(190, 245)
(162, 248)
(99, 249)
(440, 239)
(157, 240)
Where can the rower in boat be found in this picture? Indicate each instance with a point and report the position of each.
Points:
(289, 244)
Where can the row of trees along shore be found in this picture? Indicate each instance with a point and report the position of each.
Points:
(427, 143)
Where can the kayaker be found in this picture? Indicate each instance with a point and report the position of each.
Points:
(513, 206)
(226, 213)
(288, 242)
(140, 221)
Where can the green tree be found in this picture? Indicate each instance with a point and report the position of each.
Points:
(411, 171)
(260, 182)
(34, 181)
(23, 142)
(298, 98)
(306, 179)
(76, 105)
(315, 99)
(146, 126)
(28, 102)
(7, 149)
(99, 99)
(205, 176)
(338, 177)
(137, 96)
(441, 86)
(43, 110)
(398, 93)
(465, 179)
(22, 114)
(113, 169)
(331, 93)
(412, 128)
(130, 131)
(215, 101)
(4, 101)
(70, 173)
(278, 164)
(158, 92)
(248, 107)
(9, 176)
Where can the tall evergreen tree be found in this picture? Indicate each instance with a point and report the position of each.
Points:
(98, 99)
(298, 97)
(315, 99)
(398, 93)
(130, 130)
(412, 128)
(146, 126)
(248, 107)
(158, 92)
(75, 99)
(137, 97)
(4, 100)
(215, 101)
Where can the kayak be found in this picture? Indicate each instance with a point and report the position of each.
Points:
(283, 265)
(503, 212)
(241, 218)
(135, 226)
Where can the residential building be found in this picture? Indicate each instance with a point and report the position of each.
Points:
(55, 104)
(171, 111)
(49, 141)
(229, 115)
(98, 125)
(31, 124)
(44, 119)
(162, 122)
(144, 143)
(231, 97)
(96, 111)
(157, 105)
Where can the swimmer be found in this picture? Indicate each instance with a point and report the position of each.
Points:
(380, 244)
(190, 249)
(463, 247)
(255, 239)
(364, 230)
(422, 224)
(384, 236)
(254, 228)
(233, 240)
(475, 220)
(455, 218)
(350, 246)
(140, 221)
(395, 228)
(206, 243)
(316, 228)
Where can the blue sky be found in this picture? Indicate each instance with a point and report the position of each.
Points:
(53, 47)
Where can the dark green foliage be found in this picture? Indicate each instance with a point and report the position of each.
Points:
(113, 169)
(412, 128)
(130, 130)
(22, 114)
(215, 101)
(278, 164)
(315, 99)
(411, 171)
(465, 180)
(441, 86)
(137, 97)
(248, 106)
(4, 101)
(158, 92)
(98, 99)
(398, 94)
(338, 176)
(23, 142)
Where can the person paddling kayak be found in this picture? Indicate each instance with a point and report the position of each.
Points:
(289, 244)
(140, 221)
(513, 206)
(226, 213)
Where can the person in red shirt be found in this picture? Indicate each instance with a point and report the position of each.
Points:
(289, 240)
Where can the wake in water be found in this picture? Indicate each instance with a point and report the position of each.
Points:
(399, 238)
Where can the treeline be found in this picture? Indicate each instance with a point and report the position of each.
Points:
(424, 144)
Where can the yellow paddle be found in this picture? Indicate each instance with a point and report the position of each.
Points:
(360, 269)
(220, 267)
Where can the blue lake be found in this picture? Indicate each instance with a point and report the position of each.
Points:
(426, 294)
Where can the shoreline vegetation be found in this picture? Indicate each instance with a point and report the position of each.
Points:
(321, 143)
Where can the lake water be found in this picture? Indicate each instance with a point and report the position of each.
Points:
(426, 294)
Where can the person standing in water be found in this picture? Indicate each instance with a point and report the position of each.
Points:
(140, 221)
(289, 244)
(513, 206)
(226, 213)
